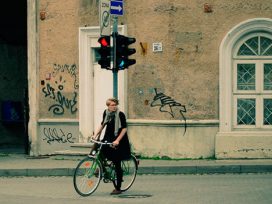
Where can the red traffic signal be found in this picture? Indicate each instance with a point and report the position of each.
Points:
(105, 52)
(104, 41)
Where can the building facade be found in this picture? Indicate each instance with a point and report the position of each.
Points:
(201, 87)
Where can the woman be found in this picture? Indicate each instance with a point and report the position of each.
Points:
(116, 132)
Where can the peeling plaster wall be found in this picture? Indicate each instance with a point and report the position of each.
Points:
(59, 59)
(185, 72)
(187, 68)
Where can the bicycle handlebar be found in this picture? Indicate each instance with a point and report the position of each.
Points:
(102, 143)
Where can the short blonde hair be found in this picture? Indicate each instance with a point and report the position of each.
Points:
(108, 101)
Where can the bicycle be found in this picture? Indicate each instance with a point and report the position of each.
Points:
(92, 169)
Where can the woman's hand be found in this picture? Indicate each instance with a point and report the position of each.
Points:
(115, 143)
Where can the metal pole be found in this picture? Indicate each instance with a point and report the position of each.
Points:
(115, 69)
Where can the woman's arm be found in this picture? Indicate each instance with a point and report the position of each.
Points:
(120, 136)
(98, 131)
(96, 135)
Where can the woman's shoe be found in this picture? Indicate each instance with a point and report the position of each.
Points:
(116, 192)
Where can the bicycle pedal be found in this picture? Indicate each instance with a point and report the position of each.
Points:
(106, 180)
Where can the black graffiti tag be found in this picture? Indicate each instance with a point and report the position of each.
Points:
(166, 103)
(70, 68)
(53, 135)
(61, 101)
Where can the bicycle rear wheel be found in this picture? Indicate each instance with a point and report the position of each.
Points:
(87, 176)
(130, 168)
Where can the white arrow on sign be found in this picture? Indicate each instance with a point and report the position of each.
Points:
(119, 8)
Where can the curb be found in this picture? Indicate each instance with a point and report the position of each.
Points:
(36, 172)
(223, 169)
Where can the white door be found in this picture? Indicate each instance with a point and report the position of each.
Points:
(96, 84)
(103, 89)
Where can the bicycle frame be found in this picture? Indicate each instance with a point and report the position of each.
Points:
(107, 174)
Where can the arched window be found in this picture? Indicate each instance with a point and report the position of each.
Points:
(258, 45)
(252, 82)
(245, 78)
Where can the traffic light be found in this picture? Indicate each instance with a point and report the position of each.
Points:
(123, 52)
(105, 52)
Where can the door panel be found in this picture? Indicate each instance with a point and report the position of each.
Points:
(103, 89)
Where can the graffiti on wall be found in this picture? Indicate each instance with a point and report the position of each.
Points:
(71, 69)
(167, 104)
(55, 90)
(61, 102)
(57, 135)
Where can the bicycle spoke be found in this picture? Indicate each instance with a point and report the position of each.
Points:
(87, 176)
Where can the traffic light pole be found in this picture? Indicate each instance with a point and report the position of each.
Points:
(115, 68)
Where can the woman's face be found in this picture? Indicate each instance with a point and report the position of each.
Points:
(112, 106)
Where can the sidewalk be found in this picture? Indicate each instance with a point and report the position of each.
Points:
(61, 165)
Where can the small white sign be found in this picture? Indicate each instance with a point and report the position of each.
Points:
(104, 19)
(157, 47)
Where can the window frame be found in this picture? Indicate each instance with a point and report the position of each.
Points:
(243, 40)
(259, 94)
(226, 57)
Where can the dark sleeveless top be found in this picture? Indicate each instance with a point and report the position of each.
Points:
(123, 150)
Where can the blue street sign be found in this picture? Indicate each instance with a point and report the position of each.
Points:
(116, 7)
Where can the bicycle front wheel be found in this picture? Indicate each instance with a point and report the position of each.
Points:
(129, 168)
(87, 176)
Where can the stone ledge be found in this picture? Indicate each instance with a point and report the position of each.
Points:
(173, 123)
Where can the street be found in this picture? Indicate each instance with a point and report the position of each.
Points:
(159, 189)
